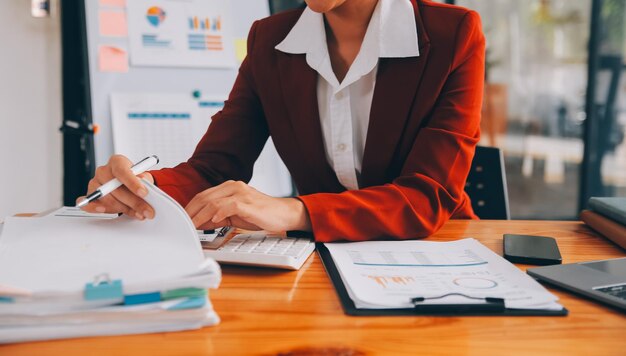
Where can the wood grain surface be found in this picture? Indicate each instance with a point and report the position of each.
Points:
(272, 312)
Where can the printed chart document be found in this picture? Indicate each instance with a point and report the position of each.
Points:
(175, 33)
(383, 274)
(166, 125)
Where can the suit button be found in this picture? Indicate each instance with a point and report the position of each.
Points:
(341, 147)
(339, 95)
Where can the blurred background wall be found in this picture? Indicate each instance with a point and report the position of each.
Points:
(30, 110)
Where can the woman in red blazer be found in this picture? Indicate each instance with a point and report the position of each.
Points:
(420, 134)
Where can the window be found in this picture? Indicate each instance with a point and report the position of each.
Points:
(535, 101)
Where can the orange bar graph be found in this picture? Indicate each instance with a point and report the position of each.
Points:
(195, 23)
(384, 281)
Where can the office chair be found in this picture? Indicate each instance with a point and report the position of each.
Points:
(486, 185)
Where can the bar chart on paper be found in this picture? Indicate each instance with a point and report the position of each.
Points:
(190, 33)
(380, 274)
(416, 258)
(465, 281)
(384, 281)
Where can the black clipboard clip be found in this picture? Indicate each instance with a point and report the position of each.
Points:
(492, 305)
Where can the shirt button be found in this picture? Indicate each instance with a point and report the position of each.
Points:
(341, 147)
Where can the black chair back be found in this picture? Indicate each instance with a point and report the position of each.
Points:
(486, 184)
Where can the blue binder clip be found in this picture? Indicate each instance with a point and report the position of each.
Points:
(104, 288)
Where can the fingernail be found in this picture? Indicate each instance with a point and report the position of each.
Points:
(147, 214)
(101, 209)
(142, 192)
(139, 216)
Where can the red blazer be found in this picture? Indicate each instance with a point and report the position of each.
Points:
(424, 126)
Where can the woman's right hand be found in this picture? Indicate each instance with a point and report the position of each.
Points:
(127, 199)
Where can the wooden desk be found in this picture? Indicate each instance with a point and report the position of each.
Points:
(273, 312)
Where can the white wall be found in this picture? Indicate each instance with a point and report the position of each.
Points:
(30, 110)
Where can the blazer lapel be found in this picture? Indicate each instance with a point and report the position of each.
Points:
(299, 89)
(397, 82)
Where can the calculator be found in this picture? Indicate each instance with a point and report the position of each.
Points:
(261, 249)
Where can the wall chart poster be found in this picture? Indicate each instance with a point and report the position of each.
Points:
(181, 33)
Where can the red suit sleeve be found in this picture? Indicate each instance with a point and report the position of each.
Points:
(230, 146)
(431, 185)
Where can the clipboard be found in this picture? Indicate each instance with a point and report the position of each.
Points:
(488, 309)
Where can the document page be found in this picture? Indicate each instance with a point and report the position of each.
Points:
(174, 33)
(388, 274)
(167, 125)
(62, 252)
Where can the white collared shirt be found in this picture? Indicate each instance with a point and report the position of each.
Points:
(344, 107)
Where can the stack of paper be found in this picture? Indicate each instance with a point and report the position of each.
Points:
(70, 274)
(379, 274)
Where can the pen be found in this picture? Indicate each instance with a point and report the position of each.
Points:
(113, 184)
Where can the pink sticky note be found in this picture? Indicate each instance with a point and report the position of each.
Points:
(112, 59)
(116, 3)
(113, 24)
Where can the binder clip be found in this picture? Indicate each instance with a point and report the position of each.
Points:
(493, 305)
(103, 288)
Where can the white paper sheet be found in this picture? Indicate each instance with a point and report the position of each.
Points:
(108, 323)
(174, 33)
(56, 254)
(167, 125)
(72, 211)
(383, 274)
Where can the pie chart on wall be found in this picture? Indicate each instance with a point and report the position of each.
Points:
(155, 16)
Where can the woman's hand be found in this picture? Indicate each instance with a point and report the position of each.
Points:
(237, 204)
(127, 199)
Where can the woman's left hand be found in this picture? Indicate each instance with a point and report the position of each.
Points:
(238, 204)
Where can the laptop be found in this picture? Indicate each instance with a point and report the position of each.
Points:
(603, 281)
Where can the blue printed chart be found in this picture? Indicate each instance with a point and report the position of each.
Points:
(171, 33)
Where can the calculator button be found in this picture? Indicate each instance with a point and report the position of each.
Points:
(293, 250)
(261, 250)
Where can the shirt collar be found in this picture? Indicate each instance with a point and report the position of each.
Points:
(391, 33)
(397, 31)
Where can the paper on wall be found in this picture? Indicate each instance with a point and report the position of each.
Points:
(241, 49)
(113, 3)
(166, 125)
(113, 23)
(112, 59)
(192, 33)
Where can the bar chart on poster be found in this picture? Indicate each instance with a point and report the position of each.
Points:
(160, 69)
(175, 33)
